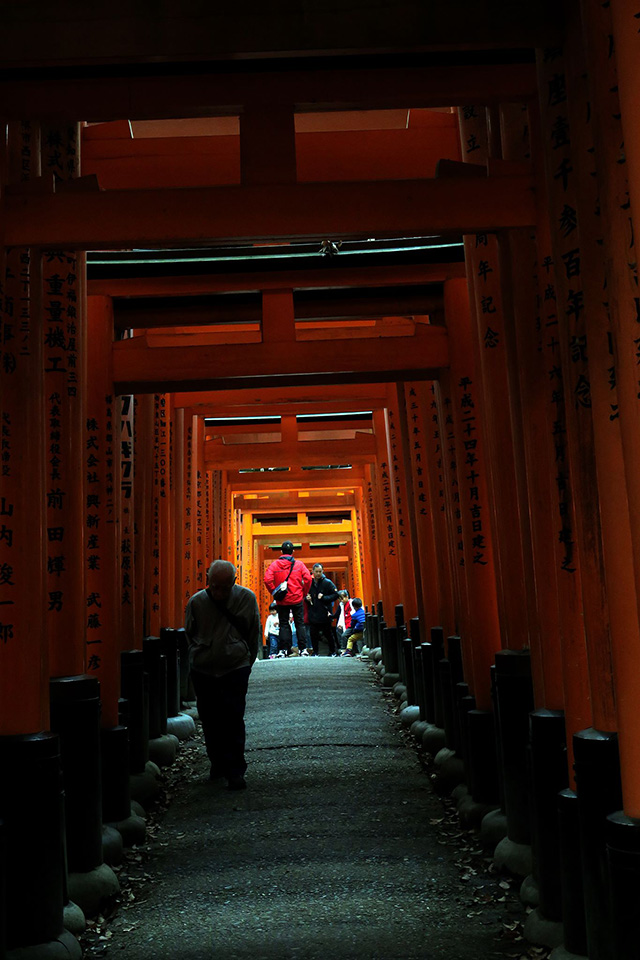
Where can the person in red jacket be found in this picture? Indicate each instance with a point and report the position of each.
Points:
(298, 580)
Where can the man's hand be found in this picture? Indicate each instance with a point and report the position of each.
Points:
(308, 597)
(320, 596)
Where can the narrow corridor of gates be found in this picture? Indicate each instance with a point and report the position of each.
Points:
(334, 850)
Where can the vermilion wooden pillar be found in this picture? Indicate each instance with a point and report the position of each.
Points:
(208, 505)
(152, 572)
(144, 506)
(24, 668)
(399, 497)
(561, 176)
(63, 305)
(385, 518)
(429, 583)
(490, 338)
(614, 124)
(100, 515)
(405, 500)
(128, 568)
(435, 403)
(482, 628)
(373, 527)
(179, 467)
(166, 561)
(197, 500)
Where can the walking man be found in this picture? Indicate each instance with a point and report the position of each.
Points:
(298, 580)
(320, 598)
(223, 627)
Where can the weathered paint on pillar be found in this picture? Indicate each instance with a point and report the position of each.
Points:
(406, 563)
(201, 560)
(24, 659)
(165, 576)
(100, 513)
(483, 628)
(373, 521)
(179, 473)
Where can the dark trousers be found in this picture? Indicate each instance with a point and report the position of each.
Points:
(221, 703)
(285, 627)
(318, 630)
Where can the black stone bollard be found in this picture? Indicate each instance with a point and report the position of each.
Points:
(400, 634)
(132, 680)
(3, 892)
(573, 911)
(153, 666)
(75, 717)
(437, 654)
(549, 775)
(428, 684)
(597, 769)
(448, 708)
(380, 609)
(390, 649)
(374, 637)
(418, 680)
(169, 641)
(623, 851)
(454, 656)
(407, 653)
(116, 797)
(414, 631)
(399, 615)
(514, 701)
(183, 651)
(483, 760)
(30, 800)
(466, 703)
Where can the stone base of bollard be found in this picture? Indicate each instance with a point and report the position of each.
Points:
(515, 858)
(493, 829)
(183, 726)
(112, 846)
(93, 889)
(73, 918)
(163, 750)
(542, 932)
(530, 892)
(66, 947)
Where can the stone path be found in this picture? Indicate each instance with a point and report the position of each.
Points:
(330, 853)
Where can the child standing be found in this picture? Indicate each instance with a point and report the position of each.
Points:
(272, 631)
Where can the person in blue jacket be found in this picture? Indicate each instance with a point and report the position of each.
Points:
(355, 631)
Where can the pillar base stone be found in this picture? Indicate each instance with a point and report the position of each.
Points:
(137, 810)
(418, 728)
(542, 932)
(66, 947)
(73, 918)
(471, 812)
(144, 787)
(190, 709)
(433, 739)
(379, 669)
(112, 847)
(459, 793)
(376, 654)
(163, 750)
(409, 715)
(183, 726)
(561, 953)
(93, 889)
(530, 895)
(493, 829)
(133, 830)
(513, 857)
(390, 679)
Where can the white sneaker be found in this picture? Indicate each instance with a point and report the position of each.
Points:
(281, 655)
(304, 653)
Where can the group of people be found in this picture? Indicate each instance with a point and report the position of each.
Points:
(304, 605)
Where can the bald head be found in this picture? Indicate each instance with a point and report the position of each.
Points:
(221, 578)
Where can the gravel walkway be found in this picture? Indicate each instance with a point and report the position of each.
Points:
(333, 851)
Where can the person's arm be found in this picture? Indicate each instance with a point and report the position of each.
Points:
(332, 595)
(307, 580)
(255, 631)
(189, 621)
(266, 627)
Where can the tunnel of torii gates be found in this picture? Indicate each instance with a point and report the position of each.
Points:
(204, 351)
